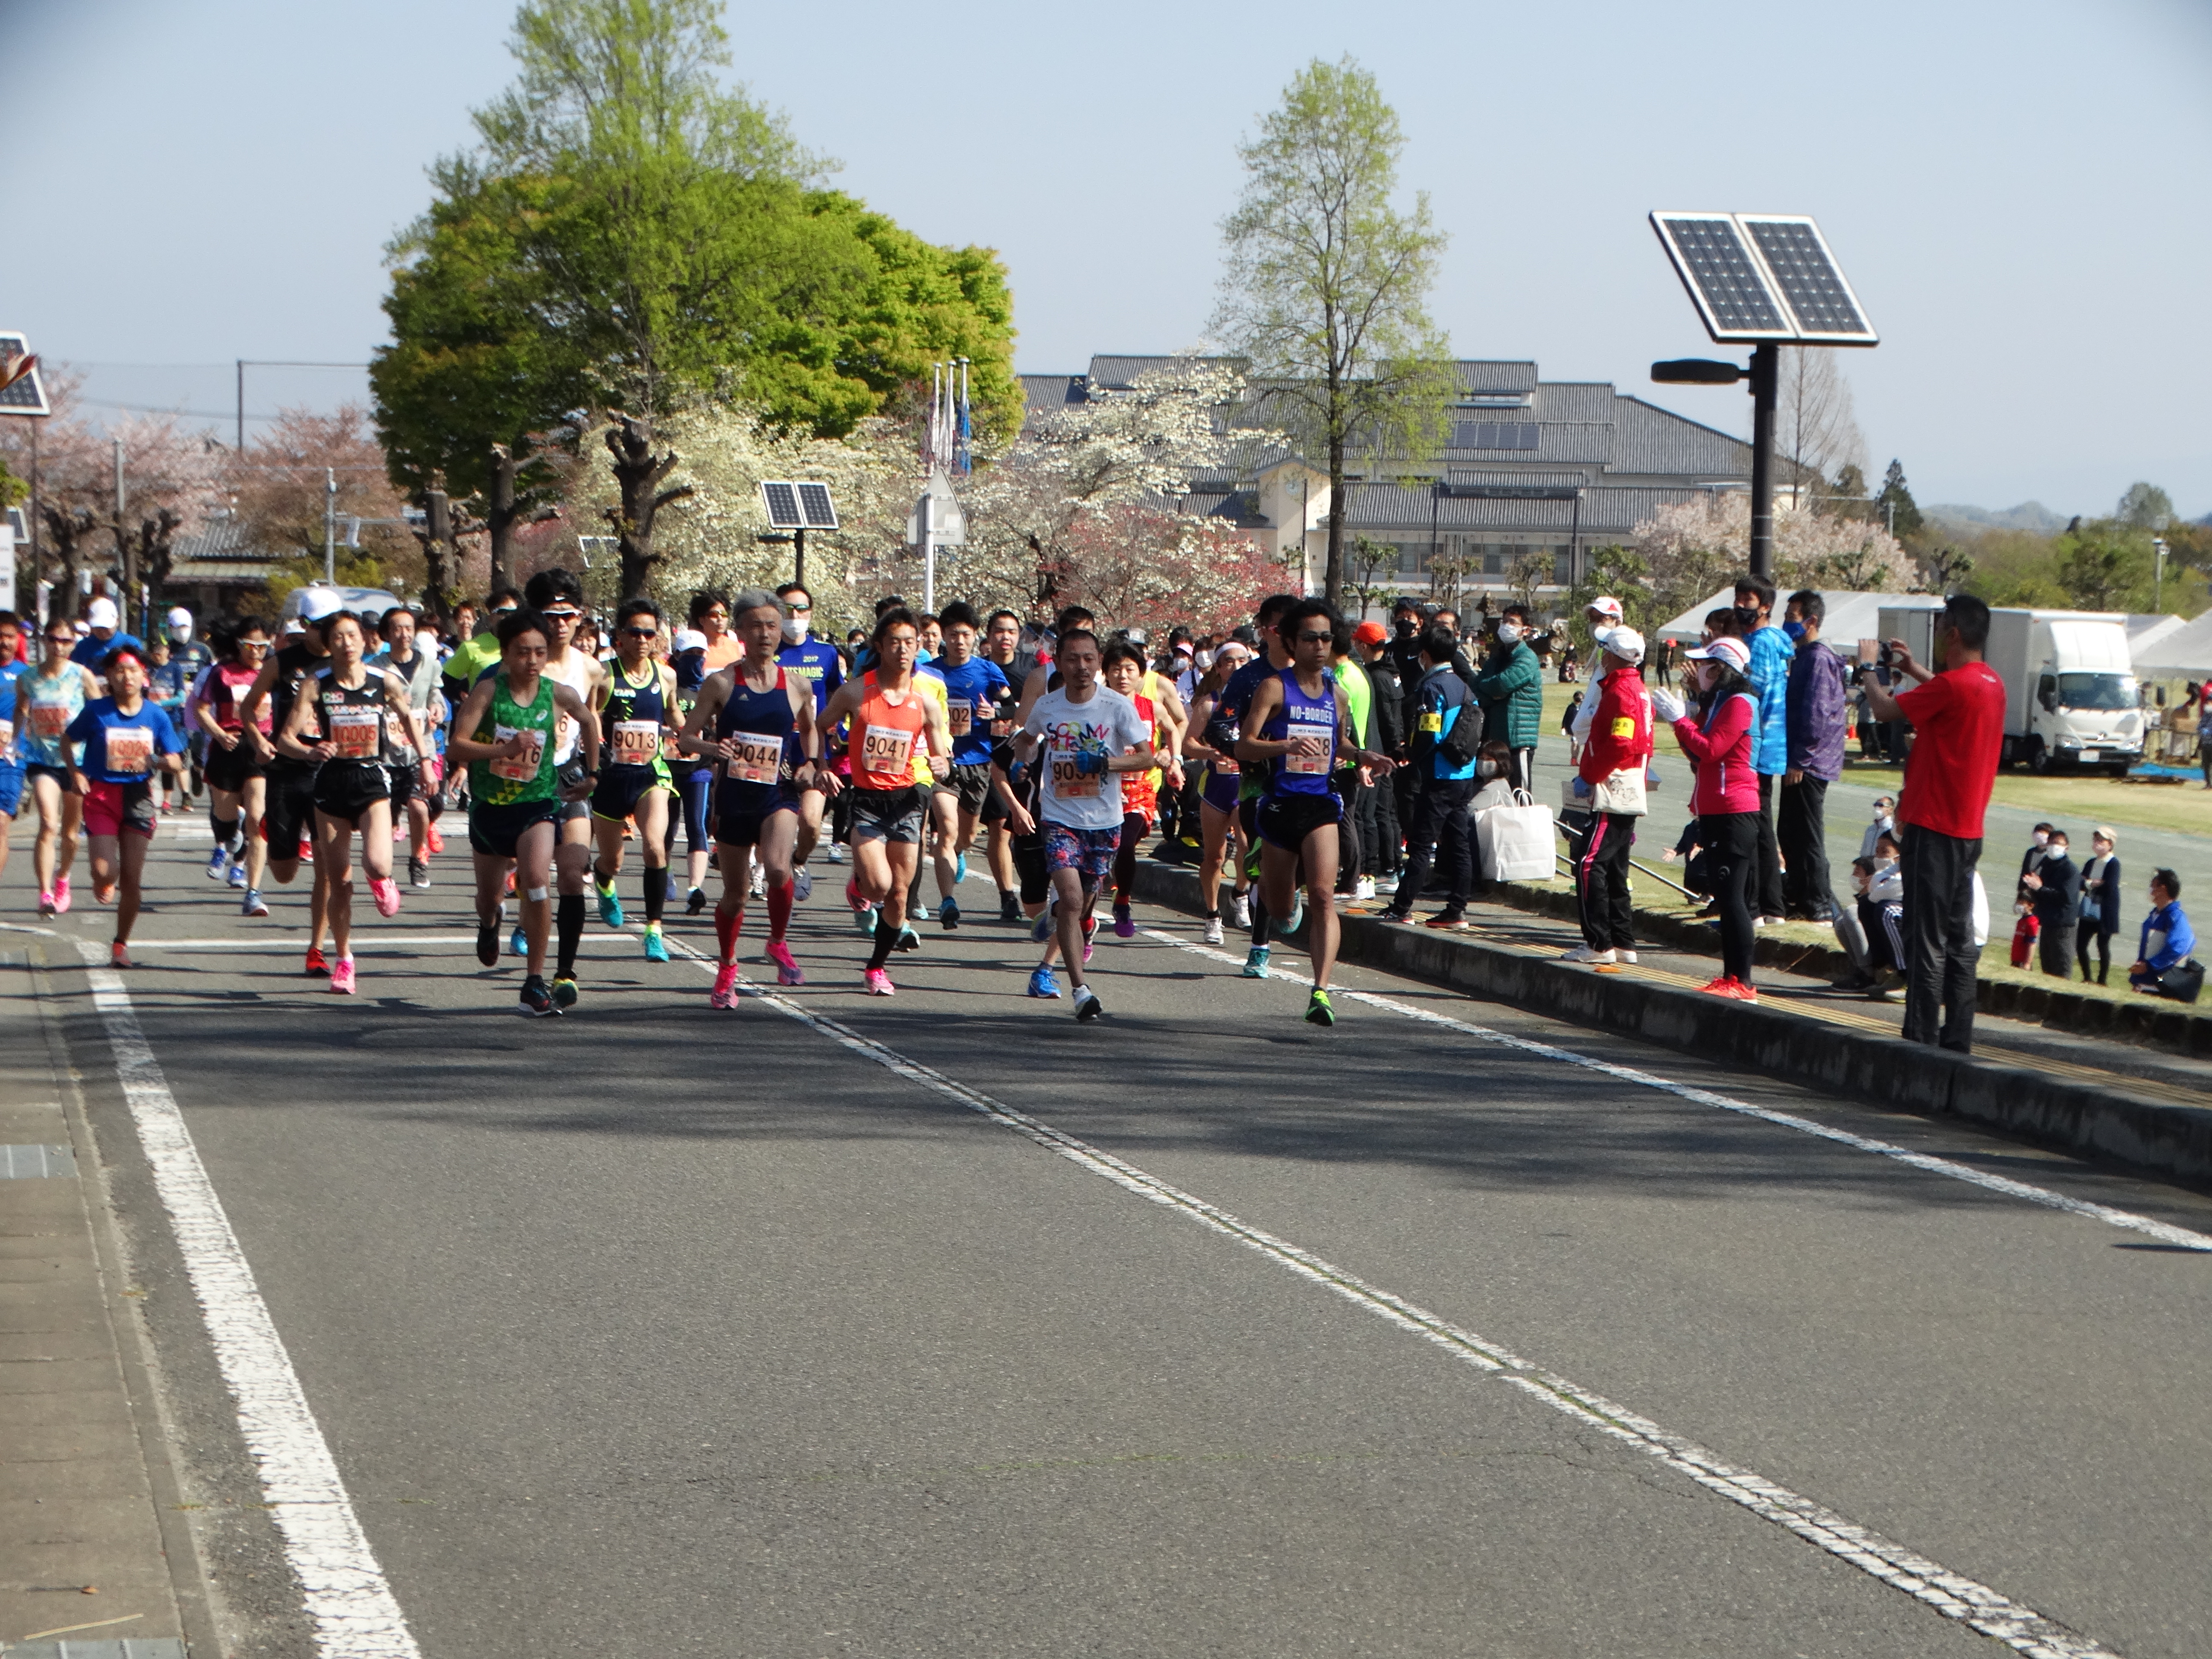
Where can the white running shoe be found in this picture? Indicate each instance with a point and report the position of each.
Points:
(1583, 954)
(1628, 956)
(1213, 930)
(833, 852)
(1364, 889)
(1241, 913)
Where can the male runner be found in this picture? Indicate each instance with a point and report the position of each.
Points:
(973, 689)
(479, 648)
(413, 785)
(505, 733)
(819, 663)
(287, 813)
(192, 659)
(638, 719)
(1002, 640)
(1124, 673)
(1085, 737)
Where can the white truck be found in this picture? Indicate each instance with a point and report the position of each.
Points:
(2070, 696)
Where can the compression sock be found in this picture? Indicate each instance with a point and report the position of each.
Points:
(887, 933)
(726, 923)
(1259, 918)
(656, 892)
(568, 915)
(779, 909)
(226, 831)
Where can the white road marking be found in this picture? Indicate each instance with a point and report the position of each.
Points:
(356, 1614)
(2165, 1232)
(291, 944)
(1952, 1594)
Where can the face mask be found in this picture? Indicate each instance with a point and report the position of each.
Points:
(1507, 633)
(1747, 616)
(1486, 768)
(794, 630)
(1880, 813)
(181, 633)
(1795, 630)
(2043, 838)
(1205, 660)
(1405, 626)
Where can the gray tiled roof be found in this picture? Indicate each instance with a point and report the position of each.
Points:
(222, 539)
(1607, 512)
(1478, 376)
(1119, 373)
(1047, 394)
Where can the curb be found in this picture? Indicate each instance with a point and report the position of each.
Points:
(2174, 1142)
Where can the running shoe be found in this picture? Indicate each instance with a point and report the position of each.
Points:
(564, 991)
(237, 877)
(1583, 954)
(1623, 955)
(342, 977)
(656, 948)
(318, 963)
(385, 892)
(864, 919)
(119, 956)
(879, 983)
(1362, 889)
(672, 891)
(948, 915)
(1213, 930)
(434, 841)
(218, 862)
(787, 967)
(103, 891)
(536, 1000)
(1391, 913)
(1087, 1005)
(1447, 918)
(852, 899)
(1090, 933)
(834, 853)
(1048, 919)
(696, 903)
(60, 896)
(518, 942)
(1241, 914)
(757, 885)
(418, 872)
(1297, 911)
(610, 910)
(253, 904)
(1009, 908)
(1042, 982)
(47, 904)
(488, 944)
(1319, 1010)
(802, 884)
(1256, 963)
(908, 939)
(960, 868)
(724, 994)
(1722, 987)
(1743, 992)
(1125, 925)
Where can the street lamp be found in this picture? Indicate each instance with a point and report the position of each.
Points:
(2158, 578)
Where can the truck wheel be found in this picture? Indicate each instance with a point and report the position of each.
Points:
(2119, 770)
(2038, 757)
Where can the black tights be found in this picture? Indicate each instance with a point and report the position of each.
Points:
(2085, 935)
(1134, 825)
(1732, 845)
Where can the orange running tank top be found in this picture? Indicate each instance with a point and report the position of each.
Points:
(886, 737)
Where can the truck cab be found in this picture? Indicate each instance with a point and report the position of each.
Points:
(2081, 706)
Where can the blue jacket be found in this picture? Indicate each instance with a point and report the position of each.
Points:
(1815, 711)
(1772, 653)
(1446, 701)
(2169, 919)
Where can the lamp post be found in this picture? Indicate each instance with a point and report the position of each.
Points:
(2158, 577)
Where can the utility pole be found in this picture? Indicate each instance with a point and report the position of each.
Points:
(330, 525)
(241, 408)
(1765, 381)
(2158, 578)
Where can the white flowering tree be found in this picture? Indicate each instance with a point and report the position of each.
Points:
(1692, 547)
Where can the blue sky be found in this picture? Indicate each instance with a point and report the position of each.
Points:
(2016, 191)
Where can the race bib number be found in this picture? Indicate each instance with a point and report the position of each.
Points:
(960, 717)
(636, 742)
(759, 758)
(358, 732)
(1308, 765)
(520, 768)
(887, 749)
(49, 721)
(130, 748)
(564, 734)
(1069, 784)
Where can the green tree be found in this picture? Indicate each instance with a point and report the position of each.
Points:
(1326, 286)
(1619, 573)
(2104, 566)
(1896, 501)
(12, 489)
(2145, 507)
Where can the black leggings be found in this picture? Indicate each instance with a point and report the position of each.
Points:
(1134, 825)
(1731, 842)
(2087, 934)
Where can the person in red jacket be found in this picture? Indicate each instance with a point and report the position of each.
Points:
(1610, 779)
(1725, 796)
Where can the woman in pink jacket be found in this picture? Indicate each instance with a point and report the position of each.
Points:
(1718, 740)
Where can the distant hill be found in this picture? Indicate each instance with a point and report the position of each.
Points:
(2028, 516)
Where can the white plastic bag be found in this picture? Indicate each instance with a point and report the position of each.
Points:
(1517, 843)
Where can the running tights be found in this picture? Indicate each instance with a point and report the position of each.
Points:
(656, 892)
(1134, 825)
(226, 831)
(887, 934)
(568, 915)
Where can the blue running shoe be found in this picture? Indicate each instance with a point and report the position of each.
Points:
(656, 948)
(610, 910)
(1042, 984)
(960, 868)
(518, 943)
(1255, 964)
(1041, 930)
(802, 885)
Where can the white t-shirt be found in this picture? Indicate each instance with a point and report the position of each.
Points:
(1105, 722)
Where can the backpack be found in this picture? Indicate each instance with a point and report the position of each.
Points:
(1460, 745)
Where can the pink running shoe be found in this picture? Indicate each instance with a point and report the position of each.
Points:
(342, 977)
(47, 904)
(879, 983)
(1090, 935)
(386, 894)
(60, 896)
(724, 994)
(787, 970)
(119, 956)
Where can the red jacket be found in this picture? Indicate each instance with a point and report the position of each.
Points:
(1620, 730)
(1721, 751)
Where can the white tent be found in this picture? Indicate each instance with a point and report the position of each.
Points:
(2146, 629)
(1851, 616)
(2181, 651)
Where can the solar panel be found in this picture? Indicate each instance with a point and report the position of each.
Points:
(814, 502)
(1726, 282)
(782, 502)
(28, 395)
(1796, 256)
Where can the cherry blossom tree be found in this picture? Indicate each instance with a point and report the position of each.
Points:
(1693, 548)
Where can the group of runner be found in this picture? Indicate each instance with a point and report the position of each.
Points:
(319, 750)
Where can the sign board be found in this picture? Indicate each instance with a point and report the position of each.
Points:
(937, 519)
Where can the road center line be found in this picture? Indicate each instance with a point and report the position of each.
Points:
(356, 1614)
(2165, 1232)
(1955, 1596)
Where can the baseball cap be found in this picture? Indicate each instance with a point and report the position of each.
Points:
(179, 616)
(1185, 648)
(316, 602)
(691, 639)
(1625, 643)
(101, 613)
(1607, 606)
(1370, 633)
(1726, 649)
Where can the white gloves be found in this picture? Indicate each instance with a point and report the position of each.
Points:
(1666, 705)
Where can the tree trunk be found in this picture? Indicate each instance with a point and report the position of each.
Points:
(500, 516)
(441, 554)
(1332, 587)
(638, 474)
(69, 527)
(157, 552)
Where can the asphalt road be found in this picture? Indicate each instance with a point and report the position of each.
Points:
(652, 1330)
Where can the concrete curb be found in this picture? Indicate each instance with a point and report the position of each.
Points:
(2174, 1142)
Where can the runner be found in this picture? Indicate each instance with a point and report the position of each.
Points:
(124, 738)
(895, 722)
(237, 792)
(1088, 737)
(760, 716)
(193, 659)
(167, 680)
(1125, 673)
(49, 698)
(287, 810)
(13, 667)
(1219, 826)
(694, 777)
(340, 722)
(637, 719)
(1295, 726)
(819, 663)
(515, 792)
(478, 649)
(1228, 719)
(974, 690)
(557, 596)
(413, 786)
(1015, 787)
(1002, 639)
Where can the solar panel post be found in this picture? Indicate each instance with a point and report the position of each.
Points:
(1766, 379)
(798, 556)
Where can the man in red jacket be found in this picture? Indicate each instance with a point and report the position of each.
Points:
(1611, 779)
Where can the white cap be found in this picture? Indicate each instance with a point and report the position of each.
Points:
(1625, 643)
(1729, 649)
(101, 613)
(690, 639)
(316, 602)
(295, 626)
(179, 616)
(1607, 606)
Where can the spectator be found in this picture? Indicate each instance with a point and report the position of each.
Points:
(2100, 904)
(1440, 816)
(1771, 651)
(1872, 930)
(1611, 778)
(1511, 688)
(2163, 967)
(1869, 741)
(1957, 716)
(1355, 815)
(1379, 830)
(2054, 888)
(1816, 700)
(1725, 794)
(1885, 820)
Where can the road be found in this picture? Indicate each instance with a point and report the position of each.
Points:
(943, 1325)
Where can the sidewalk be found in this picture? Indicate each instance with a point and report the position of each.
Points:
(84, 1573)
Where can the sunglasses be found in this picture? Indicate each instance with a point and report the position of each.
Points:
(642, 633)
(1315, 639)
(794, 605)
